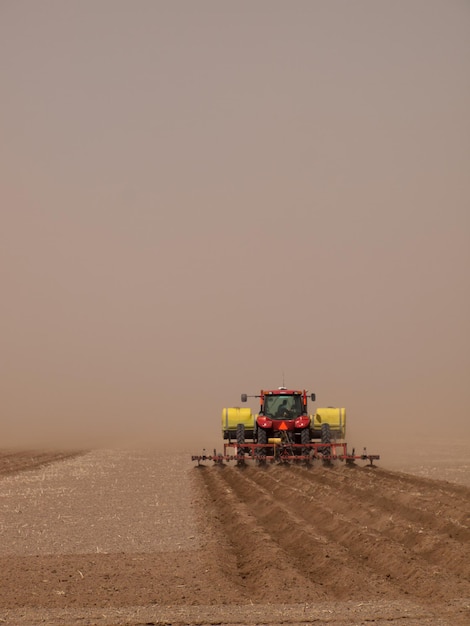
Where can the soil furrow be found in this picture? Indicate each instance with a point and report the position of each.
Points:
(390, 559)
(318, 558)
(261, 563)
(16, 462)
(408, 487)
(441, 544)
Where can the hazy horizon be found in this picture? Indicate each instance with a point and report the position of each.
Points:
(199, 199)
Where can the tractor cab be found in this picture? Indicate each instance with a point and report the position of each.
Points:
(282, 406)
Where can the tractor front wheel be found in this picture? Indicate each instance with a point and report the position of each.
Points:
(240, 440)
(263, 440)
(305, 440)
(240, 434)
(325, 433)
(326, 438)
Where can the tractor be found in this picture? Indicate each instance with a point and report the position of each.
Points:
(283, 419)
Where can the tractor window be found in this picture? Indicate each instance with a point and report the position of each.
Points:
(287, 407)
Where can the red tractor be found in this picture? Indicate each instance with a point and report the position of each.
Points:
(283, 419)
(283, 416)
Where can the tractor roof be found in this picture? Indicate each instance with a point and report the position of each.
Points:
(282, 391)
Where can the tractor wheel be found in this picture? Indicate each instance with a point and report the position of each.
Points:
(262, 439)
(326, 438)
(305, 440)
(325, 433)
(240, 434)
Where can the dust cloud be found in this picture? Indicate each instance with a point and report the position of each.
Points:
(200, 200)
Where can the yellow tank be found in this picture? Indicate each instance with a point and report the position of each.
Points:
(231, 417)
(336, 418)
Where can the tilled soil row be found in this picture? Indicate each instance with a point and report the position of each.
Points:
(20, 461)
(341, 533)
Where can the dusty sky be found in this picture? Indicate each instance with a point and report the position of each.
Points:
(197, 197)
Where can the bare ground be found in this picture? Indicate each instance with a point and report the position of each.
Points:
(119, 537)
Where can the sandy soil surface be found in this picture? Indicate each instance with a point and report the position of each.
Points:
(116, 537)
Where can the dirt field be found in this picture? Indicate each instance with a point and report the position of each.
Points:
(116, 537)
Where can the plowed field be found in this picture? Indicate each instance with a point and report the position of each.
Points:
(117, 537)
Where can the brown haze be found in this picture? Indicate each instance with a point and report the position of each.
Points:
(199, 198)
